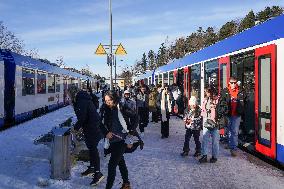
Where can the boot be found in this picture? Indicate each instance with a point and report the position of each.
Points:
(88, 172)
(184, 153)
(203, 159)
(125, 186)
(213, 160)
(98, 177)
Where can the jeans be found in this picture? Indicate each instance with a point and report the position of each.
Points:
(233, 131)
(117, 149)
(215, 141)
(196, 134)
(165, 127)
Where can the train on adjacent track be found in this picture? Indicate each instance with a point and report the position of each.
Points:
(256, 58)
(30, 87)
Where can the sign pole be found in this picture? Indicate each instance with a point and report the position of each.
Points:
(115, 69)
(110, 56)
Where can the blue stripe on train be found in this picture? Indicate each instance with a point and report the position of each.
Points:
(24, 116)
(280, 153)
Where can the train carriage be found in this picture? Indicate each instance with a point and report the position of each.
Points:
(30, 87)
(255, 57)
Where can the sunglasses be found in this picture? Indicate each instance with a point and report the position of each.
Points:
(234, 82)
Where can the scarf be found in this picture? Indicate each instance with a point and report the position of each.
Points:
(163, 105)
(123, 124)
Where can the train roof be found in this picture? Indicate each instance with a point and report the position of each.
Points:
(28, 62)
(265, 32)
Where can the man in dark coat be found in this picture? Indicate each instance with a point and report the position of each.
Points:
(89, 120)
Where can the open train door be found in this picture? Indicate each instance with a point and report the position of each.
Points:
(224, 76)
(265, 100)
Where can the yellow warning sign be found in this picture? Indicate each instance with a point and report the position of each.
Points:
(100, 50)
(120, 50)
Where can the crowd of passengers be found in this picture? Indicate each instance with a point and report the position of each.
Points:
(124, 115)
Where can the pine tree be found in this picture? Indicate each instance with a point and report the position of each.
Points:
(151, 60)
(144, 62)
(247, 22)
(263, 15)
(210, 37)
(228, 29)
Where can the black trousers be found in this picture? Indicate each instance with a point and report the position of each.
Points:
(116, 158)
(155, 116)
(188, 134)
(143, 114)
(93, 153)
(165, 128)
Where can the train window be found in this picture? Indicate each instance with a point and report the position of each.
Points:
(156, 79)
(171, 78)
(51, 83)
(166, 78)
(41, 82)
(58, 83)
(211, 74)
(28, 82)
(195, 81)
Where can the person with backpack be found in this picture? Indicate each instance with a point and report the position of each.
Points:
(193, 125)
(89, 120)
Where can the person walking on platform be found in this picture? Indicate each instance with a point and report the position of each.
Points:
(89, 120)
(231, 104)
(165, 104)
(142, 102)
(153, 104)
(116, 129)
(193, 125)
(210, 128)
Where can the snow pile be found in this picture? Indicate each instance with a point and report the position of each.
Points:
(158, 165)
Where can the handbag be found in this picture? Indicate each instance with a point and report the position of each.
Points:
(222, 122)
(210, 124)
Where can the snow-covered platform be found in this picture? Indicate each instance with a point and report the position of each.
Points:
(158, 165)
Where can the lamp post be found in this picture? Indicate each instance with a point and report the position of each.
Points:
(110, 56)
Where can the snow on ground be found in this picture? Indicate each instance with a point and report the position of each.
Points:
(158, 165)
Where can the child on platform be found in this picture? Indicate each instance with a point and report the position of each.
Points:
(193, 125)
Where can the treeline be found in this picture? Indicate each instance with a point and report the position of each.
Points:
(200, 39)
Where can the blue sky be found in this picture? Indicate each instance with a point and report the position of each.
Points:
(73, 28)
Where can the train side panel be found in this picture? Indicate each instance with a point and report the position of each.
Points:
(25, 105)
(280, 102)
(1, 93)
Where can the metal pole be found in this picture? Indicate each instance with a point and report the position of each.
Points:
(110, 59)
(115, 69)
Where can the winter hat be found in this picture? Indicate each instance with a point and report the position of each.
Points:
(193, 101)
(126, 92)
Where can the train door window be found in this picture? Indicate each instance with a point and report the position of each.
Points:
(57, 82)
(186, 84)
(41, 82)
(171, 78)
(165, 78)
(196, 81)
(51, 83)
(264, 133)
(211, 74)
(28, 82)
(223, 76)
